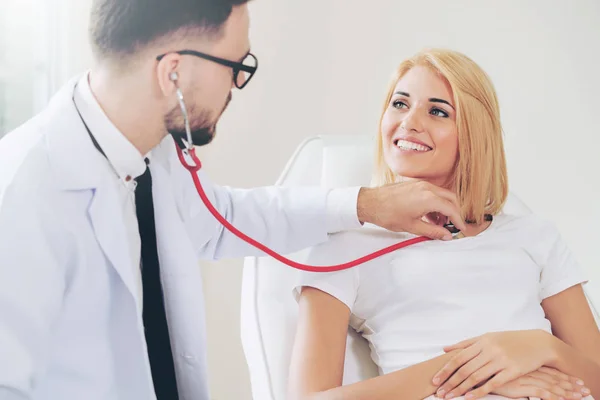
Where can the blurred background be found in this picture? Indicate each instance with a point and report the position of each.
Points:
(324, 67)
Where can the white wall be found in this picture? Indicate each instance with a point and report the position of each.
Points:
(324, 67)
(16, 64)
(42, 43)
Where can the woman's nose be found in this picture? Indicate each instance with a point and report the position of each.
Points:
(412, 122)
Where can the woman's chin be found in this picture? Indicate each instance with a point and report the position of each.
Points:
(407, 178)
(403, 175)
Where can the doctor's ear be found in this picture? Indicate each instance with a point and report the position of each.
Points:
(168, 76)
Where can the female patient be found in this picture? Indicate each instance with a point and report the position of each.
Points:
(502, 288)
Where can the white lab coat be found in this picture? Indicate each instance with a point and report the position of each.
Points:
(69, 321)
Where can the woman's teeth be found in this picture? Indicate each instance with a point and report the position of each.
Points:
(406, 145)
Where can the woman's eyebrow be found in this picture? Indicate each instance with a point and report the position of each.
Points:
(436, 100)
(433, 99)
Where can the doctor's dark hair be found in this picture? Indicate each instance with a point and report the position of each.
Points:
(120, 28)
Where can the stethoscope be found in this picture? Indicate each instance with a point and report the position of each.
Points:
(185, 148)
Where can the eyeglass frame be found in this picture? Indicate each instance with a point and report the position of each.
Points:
(237, 67)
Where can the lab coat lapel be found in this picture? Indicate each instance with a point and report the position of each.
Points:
(81, 167)
(107, 221)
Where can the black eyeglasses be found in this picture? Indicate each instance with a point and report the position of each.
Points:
(242, 71)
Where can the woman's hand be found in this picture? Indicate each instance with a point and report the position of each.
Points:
(492, 360)
(546, 384)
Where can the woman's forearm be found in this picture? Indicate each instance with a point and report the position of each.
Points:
(412, 383)
(572, 362)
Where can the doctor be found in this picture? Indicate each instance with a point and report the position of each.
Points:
(101, 229)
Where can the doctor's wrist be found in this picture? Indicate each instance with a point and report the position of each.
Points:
(365, 205)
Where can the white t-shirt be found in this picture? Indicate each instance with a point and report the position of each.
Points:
(413, 302)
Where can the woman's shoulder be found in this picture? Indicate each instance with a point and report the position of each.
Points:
(523, 222)
(530, 231)
(352, 244)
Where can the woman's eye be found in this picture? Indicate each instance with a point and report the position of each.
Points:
(437, 112)
(399, 104)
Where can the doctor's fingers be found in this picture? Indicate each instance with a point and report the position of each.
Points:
(436, 218)
(435, 204)
(437, 199)
(430, 230)
(439, 191)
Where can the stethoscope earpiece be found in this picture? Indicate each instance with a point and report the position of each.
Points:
(174, 76)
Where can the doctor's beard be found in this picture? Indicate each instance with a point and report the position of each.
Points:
(202, 125)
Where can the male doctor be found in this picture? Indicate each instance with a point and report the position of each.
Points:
(101, 228)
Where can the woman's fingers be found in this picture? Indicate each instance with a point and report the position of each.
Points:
(551, 386)
(500, 379)
(462, 345)
(471, 375)
(562, 376)
(542, 394)
(455, 363)
(571, 384)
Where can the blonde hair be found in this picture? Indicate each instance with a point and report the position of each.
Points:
(480, 179)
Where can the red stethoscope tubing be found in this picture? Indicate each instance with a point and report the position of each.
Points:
(193, 169)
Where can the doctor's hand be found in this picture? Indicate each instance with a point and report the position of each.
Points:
(402, 207)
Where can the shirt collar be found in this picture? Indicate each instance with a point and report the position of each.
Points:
(125, 159)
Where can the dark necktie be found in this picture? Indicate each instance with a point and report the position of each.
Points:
(154, 315)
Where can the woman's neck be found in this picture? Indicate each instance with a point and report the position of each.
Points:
(476, 229)
(472, 229)
(443, 183)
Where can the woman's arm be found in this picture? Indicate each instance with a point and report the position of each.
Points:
(496, 358)
(578, 350)
(317, 365)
